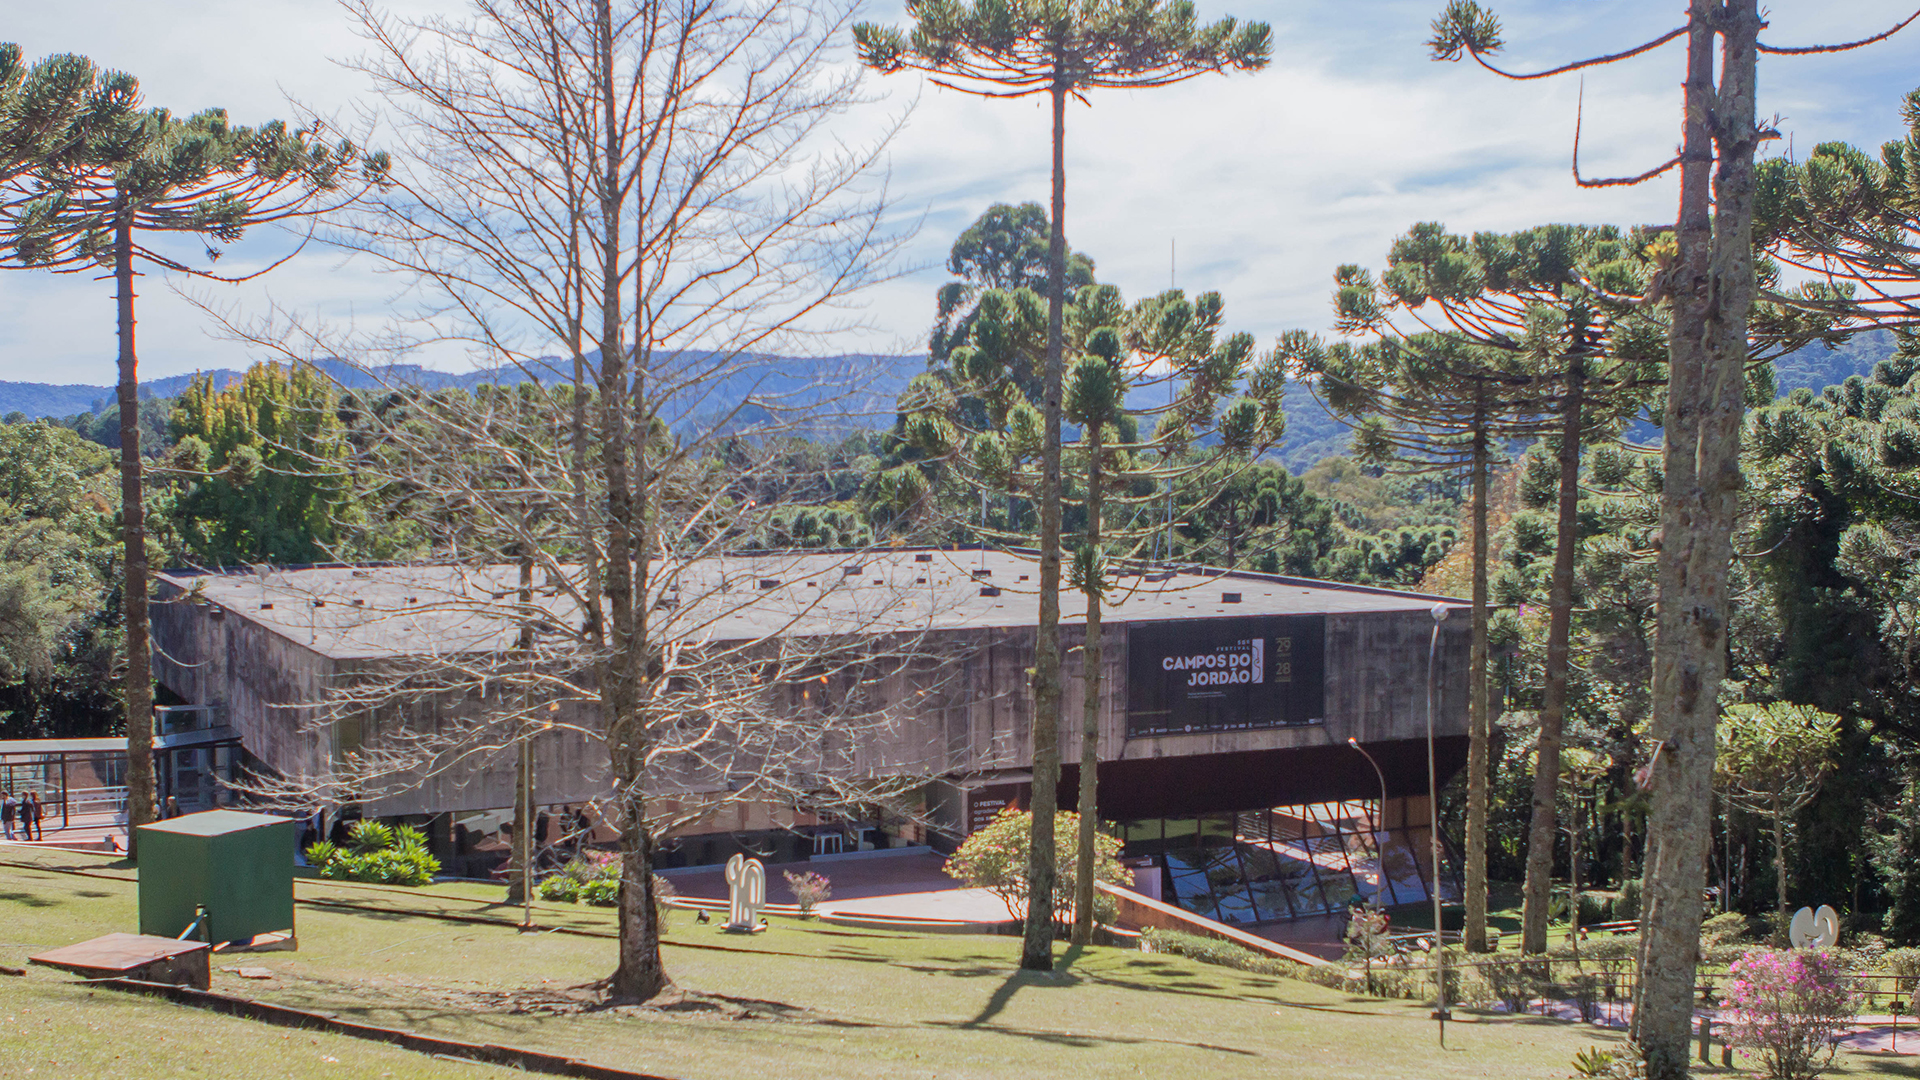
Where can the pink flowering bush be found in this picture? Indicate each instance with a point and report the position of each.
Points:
(1788, 1007)
(808, 889)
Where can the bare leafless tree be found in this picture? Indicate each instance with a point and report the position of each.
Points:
(637, 199)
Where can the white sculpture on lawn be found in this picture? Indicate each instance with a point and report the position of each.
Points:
(1814, 929)
(746, 893)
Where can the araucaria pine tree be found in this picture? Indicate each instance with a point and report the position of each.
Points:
(1536, 334)
(1061, 48)
(86, 180)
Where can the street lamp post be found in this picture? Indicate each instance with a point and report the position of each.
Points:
(1380, 861)
(1433, 833)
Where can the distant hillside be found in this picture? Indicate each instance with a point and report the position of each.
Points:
(858, 383)
(866, 387)
(1312, 434)
(1817, 367)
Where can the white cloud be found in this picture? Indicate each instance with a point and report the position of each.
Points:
(1266, 182)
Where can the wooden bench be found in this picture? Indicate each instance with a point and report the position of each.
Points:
(135, 956)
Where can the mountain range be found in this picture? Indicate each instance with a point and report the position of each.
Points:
(864, 388)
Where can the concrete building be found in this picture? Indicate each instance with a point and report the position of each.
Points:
(1229, 701)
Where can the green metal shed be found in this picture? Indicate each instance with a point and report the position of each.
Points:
(238, 866)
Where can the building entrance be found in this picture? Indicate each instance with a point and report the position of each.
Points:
(1293, 862)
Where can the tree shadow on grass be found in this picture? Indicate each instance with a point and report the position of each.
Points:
(1020, 978)
(31, 899)
(1080, 1041)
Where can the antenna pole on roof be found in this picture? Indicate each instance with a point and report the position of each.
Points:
(983, 528)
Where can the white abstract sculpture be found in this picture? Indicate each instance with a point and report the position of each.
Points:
(746, 893)
(1814, 929)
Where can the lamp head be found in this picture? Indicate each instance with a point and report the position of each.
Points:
(1440, 613)
(1353, 742)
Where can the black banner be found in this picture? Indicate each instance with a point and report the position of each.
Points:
(1225, 674)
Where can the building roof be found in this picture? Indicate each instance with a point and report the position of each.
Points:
(215, 823)
(367, 612)
(115, 744)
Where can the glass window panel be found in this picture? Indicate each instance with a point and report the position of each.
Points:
(1270, 899)
(1190, 889)
(1236, 906)
(1259, 863)
(1337, 888)
(1180, 829)
(1403, 866)
(1422, 844)
(1304, 884)
(1363, 855)
(1216, 830)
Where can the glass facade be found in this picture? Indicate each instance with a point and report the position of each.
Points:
(1292, 862)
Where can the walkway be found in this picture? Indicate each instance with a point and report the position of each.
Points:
(84, 832)
(908, 883)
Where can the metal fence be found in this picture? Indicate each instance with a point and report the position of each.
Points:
(1597, 987)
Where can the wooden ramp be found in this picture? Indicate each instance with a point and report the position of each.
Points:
(135, 956)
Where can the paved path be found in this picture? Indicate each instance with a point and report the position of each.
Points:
(88, 832)
(906, 885)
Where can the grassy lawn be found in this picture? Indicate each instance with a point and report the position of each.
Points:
(799, 1000)
(1504, 909)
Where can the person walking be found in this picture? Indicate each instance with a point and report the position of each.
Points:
(171, 810)
(30, 817)
(8, 807)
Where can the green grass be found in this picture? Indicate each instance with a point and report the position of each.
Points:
(1504, 910)
(803, 999)
(53, 1026)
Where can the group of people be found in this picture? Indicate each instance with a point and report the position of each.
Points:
(556, 839)
(24, 811)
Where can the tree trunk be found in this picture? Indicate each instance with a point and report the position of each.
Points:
(1573, 877)
(138, 684)
(525, 843)
(520, 871)
(1553, 699)
(1712, 289)
(1091, 659)
(1036, 952)
(640, 975)
(1780, 940)
(1477, 720)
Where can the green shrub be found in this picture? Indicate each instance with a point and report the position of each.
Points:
(1723, 929)
(377, 854)
(1725, 955)
(1610, 947)
(364, 836)
(597, 884)
(1593, 1063)
(1628, 905)
(1213, 951)
(1595, 908)
(1902, 963)
(994, 858)
(1513, 981)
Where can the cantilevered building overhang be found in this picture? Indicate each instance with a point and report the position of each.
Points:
(1223, 691)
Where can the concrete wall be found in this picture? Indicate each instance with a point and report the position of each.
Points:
(263, 685)
(972, 716)
(1376, 672)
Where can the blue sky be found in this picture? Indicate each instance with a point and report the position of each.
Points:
(1263, 183)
